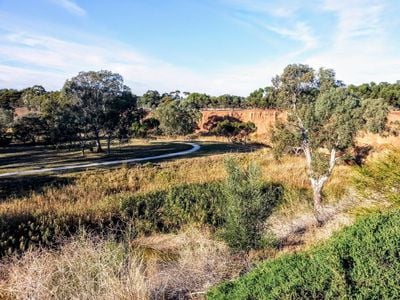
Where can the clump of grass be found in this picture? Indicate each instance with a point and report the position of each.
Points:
(172, 266)
(85, 268)
(380, 178)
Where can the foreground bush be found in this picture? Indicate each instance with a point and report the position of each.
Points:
(361, 262)
(248, 203)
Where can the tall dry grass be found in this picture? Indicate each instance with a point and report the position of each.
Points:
(161, 267)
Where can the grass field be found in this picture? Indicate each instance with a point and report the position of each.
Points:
(155, 224)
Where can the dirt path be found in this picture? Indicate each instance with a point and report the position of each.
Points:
(195, 148)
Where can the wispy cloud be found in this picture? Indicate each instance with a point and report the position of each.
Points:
(70, 6)
(283, 10)
(300, 32)
(360, 49)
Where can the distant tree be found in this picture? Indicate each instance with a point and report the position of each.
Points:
(119, 116)
(100, 97)
(262, 98)
(29, 128)
(197, 101)
(323, 120)
(177, 120)
(150, 99)
(145, 127)
(34, 97)
(10, 99)
(6, 119)
(234, 130)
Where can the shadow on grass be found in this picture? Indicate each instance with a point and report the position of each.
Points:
(214, 148)
(24, 185)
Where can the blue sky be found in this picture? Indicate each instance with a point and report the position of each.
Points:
(213, 46)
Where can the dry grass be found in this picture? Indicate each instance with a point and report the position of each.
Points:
(95, 193)
(161, 267)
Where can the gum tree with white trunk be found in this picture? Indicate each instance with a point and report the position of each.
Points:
(323, 119)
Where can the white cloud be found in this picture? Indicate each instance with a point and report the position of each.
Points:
(50, 61)
(360, 49)
(301, 32)
(70, 6)
(281, 10)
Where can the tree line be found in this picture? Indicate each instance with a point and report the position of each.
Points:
(93, 106)
(90, 107)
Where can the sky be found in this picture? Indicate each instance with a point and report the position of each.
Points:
(211, 46)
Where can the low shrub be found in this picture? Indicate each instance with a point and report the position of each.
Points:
(169, 210)
(363, 262)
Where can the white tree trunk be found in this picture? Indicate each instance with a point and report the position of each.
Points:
(317, 184)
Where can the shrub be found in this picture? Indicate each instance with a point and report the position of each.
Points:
(234, 130)
(169, 210)
(247, 205)
(361, 262)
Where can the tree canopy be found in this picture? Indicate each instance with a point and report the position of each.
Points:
(323, 120)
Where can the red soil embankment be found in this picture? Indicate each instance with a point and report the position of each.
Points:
(264, 119)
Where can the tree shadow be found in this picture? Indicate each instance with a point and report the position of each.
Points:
(20, 186)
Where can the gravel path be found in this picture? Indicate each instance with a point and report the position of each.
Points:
(195, 148)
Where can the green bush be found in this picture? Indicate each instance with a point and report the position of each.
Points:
(23, 231)
(169, 210)
(248, 203)
(361, 262)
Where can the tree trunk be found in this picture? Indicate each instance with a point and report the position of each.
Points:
(317, 185)
(109, 144)
(98, 143)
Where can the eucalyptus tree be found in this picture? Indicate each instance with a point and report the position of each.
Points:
(175, 119)
(100, 98)
(323, 119)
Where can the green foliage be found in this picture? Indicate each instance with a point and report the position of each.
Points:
(233, 129)
(142, 129)
(150, 99)
(176, 119)
(171, 209)
(29, 128)
(362, 262)
(381, 177)
(247, 206)
(104, 102)
(284, 139)
(262, 98)
(160, 211)
(6, 118)
(197, 101)
(23, 231)
(375, 113)
(10, 98)
(387, 92)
